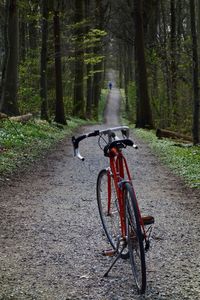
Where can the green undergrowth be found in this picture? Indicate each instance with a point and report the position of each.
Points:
(184, 160)
(21, 144)
(102, 104)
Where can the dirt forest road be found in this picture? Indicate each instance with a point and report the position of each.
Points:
(51, 237)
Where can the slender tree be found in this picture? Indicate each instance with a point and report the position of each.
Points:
(9, 103)
(165, 67)
(60, 112)
(43, 61)
(144, 115)
(98, 67)
(120, 66)
(89, 98)
(23, 33)
(127, 63)
(195, 129)
(151, 15)
(174, 70)
(33, 24)
(198, 29)
(78, 109)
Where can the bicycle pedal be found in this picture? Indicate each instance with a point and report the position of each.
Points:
(148, 220)
(109, 252)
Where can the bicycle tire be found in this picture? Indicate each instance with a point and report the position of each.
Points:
(135, 239)
(110, 222)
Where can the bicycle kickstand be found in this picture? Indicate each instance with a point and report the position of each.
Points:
(115, 260)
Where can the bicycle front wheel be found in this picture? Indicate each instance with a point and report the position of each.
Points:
(109, 213)
(135, 239)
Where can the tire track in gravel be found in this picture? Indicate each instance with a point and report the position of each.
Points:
(51, 237)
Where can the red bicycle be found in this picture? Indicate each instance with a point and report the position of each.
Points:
(125, 228)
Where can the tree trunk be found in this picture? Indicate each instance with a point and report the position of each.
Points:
(163, 133)
(32, 25)
(22, 49)
(144, 115)
(9, 88)
(78, 109)
(198, 29)
(166, 71)
(22, 118)
(43, 62)
(60, 113)
(4, 47)
(195, 129)
(127, 64)
(130, 56)
(96, 87)
(151, 9)
(173, 64)
(89, 96)
(120, 62)
(99, 66)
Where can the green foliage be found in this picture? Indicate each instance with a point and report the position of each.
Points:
(90, 40)
(77, 25)
(93, 59)
(167, 114)
(93, 37)
(123, 113)
(184, 161)
(29, 100)
(29, 89)
(132, 101)
(130, 114)
(68, 104)
(102, 104)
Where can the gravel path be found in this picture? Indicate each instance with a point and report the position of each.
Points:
(51, 238)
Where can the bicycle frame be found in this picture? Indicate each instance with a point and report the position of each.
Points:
(118, 169)
(122, 221)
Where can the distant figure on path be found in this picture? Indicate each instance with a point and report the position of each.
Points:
(110, 85)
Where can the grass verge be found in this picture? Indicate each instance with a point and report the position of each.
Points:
(182, 160)
(21, 144)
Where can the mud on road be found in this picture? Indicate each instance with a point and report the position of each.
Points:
(51, 238)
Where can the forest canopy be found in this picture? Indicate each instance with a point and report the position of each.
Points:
(54, 57)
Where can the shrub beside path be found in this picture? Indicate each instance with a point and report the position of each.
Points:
(51, 237)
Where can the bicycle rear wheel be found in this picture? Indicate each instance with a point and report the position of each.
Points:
(110, 217)
(135, 239)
